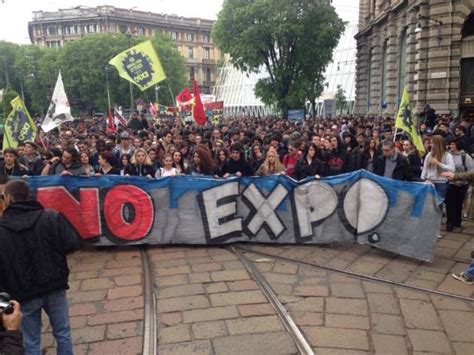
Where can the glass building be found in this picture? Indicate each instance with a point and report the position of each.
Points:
(236, 88)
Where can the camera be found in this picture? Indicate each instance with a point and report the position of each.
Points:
(5, 305)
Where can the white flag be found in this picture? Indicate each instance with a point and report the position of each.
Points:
(59, 110)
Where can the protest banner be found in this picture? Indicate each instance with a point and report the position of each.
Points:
(400, 217)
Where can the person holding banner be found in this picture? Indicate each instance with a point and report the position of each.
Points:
(31, 159)
(203, 164)
(272, 164)
(309, 164)
(141, 165)
(67, 165)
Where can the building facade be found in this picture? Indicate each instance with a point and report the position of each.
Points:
(192, 36)
(426, 45)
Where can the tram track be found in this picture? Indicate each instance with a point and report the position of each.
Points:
(150, 331)
(354, 274)
(300, 341)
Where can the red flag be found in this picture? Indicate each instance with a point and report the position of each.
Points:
(111, 125)
(198, 108)
(184, 97)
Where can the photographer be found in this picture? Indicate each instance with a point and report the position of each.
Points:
(11, 340)
(33, 264)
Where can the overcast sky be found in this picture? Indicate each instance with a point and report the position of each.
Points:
(15, 14)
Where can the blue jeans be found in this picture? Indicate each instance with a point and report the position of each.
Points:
(441, 189)
(56, 307)
(469, 273)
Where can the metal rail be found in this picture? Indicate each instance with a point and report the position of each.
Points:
(359, 276)
(300, 341)
(149, 324)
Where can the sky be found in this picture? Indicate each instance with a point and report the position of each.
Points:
(15, 14)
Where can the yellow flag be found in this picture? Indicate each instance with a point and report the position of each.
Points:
(19, 127)
(139, 65)
(407, 122)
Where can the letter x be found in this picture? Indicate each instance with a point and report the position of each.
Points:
(263, 210)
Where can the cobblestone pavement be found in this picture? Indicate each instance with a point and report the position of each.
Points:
(207, 303)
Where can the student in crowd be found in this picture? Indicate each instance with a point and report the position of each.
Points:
(257, 157)
(140, 165)
(31, 159)
(457, 189)
(203, 164)
(370, 154)
(178, 162)
(290, 159)
(236, 165)
(167, 169)
(391, 164)
(87, 169)
(106, 160)
(436, 162)
(10, 165)
(413, 158)
(309, 164)
(271, 164)
(337, 158)
(221, 161)
(68, 164)
(124, 163)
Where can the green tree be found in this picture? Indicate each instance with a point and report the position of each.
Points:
(341, 100)
(83, 66)
(292, 39)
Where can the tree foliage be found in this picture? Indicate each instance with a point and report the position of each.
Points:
(341, 100)
(292, 39)
(83, 65)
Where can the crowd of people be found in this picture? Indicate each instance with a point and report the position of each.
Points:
(313, 147)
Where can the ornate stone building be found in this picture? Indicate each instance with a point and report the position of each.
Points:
(426, 45)
(191, 35)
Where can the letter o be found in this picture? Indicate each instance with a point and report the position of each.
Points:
(141, 220)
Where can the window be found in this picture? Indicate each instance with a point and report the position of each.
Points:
(174, 35)
(189, 37)
(190, 52)
(207, 53)
(191, 73)
(402, 65)
(205, 38)
(51, 31)
(141, 31)
(208, 74)
(53, 44)
(91, 28)
(97, 28)
(383, 89)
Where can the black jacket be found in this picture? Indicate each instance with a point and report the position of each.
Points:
(34, 243)
(232, 167)
(337, 162)
(139, 170)
(303, 169)
(402, 169)
(358, 160)
(11, 342)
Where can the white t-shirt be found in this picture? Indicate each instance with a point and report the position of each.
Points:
(162, 172)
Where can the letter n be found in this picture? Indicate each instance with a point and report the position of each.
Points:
(83, 214)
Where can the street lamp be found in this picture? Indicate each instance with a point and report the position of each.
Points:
(127, 33)
(5, 66)
(108, 90)
(419, 26)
